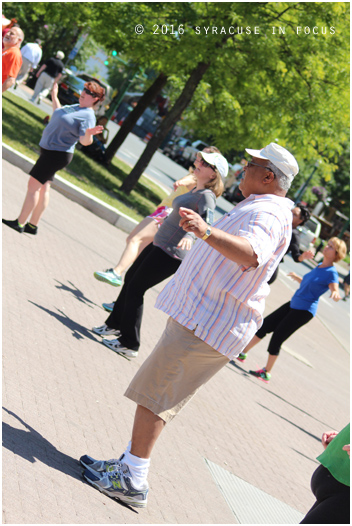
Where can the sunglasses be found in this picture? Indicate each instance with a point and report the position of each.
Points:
(86, 90)
(205, 163)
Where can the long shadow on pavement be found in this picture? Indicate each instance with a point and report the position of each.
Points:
(32, 446)
(78, 331)
(76, 293)
(292, 423)
(239, 370)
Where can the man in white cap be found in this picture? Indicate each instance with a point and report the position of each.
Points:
(31, 56)
(50, 72)
(215, 302)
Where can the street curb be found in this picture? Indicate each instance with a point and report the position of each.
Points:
(91, 203)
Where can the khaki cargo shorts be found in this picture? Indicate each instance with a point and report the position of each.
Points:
(178, 366)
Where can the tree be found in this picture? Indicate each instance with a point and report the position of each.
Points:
(256, 88)
(134, 115)
(171, 118)
(339, 185)
(286, 82)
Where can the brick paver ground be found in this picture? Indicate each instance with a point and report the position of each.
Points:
(63, 390)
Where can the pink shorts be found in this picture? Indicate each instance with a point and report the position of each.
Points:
(160, 213)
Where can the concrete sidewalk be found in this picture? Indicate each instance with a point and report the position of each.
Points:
(63, 394)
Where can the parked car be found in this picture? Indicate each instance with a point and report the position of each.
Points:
(309, 233)
(175, 148)
(188, 155)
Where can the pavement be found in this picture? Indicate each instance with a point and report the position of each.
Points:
(63, 394)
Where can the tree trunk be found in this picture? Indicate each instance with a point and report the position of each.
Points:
(165, 126)
(133, 117)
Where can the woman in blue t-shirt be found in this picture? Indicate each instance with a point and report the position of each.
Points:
(67, 126)
(288, 318)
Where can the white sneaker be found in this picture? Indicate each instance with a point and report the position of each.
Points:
(104, 330)
(116, 346)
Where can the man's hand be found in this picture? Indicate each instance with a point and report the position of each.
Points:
(192, 222)
(235, 248)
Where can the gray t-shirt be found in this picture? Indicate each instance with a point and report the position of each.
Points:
(66, 126)
(170, 233)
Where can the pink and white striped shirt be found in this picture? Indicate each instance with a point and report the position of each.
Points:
(220, 299)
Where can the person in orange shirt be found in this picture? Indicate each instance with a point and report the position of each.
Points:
(11, 57)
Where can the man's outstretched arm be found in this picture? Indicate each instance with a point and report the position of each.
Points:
(235, 248)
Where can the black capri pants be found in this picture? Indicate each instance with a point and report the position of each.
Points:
(283, 322)
(50, 162)
(333, 500)
(152, 266)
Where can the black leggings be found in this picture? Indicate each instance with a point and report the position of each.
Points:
(283, 322)
(151, 267)
(333, 500)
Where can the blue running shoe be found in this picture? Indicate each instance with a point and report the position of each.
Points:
(101, 465)
(118, 485)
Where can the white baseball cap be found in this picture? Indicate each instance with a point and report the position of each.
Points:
(279, 156)
(217, 160)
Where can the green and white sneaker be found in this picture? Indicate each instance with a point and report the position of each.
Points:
(118, 485)
(261, 374)
(109, 276)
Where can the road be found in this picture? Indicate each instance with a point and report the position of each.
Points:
(161, 169)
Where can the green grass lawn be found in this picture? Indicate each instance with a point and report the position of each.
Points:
(22, 128)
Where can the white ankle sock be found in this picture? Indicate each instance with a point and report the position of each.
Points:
(139, 468)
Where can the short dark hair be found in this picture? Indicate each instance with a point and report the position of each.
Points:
(95, 87)
(305, 214)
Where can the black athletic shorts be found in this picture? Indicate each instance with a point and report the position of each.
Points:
(49, 162)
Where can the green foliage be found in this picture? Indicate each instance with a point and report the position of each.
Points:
(286, 86)
(57, 24)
